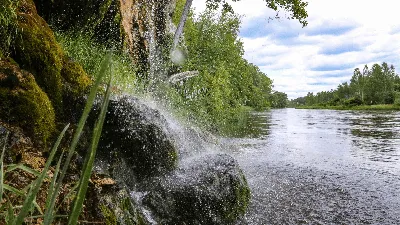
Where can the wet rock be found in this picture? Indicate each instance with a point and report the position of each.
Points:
(135, 133)
(23, 103)
(116, 206)
(209, 190)
(16, 144)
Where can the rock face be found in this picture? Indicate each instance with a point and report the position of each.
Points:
(130, 23)
(134, 132)
(209, 190)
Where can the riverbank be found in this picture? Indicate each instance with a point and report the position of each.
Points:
(358, 107)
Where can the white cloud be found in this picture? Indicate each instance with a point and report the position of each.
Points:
(341, 35)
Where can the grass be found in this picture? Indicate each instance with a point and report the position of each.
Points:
(359, 107)
(8, 29)
(17, 215)
(81, 48)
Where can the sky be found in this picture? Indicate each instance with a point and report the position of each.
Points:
(341, 35)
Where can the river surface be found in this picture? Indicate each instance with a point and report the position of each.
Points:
(322, 166)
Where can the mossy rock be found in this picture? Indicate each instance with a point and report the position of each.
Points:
(76, 84)
(24, 104)
(211, 189)
(117, 208)
(37, 51)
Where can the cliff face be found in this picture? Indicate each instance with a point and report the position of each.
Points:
(135, 25)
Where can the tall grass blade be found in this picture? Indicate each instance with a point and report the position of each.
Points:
(2, 167)
(49, 213)
(22, 167)
(87, 169)
(67, 196)
(10, 212)
(13, 190)
(38, 182)
(89, 103)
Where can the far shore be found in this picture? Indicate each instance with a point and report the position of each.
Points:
(358, 107)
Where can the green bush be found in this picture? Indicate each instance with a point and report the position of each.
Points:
(354, 101)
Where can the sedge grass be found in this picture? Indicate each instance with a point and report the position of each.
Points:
(8, 210)
(38, 183)
(89, 104)
(87, 168)
(2, 167)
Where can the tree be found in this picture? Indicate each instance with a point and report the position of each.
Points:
(357, 83)
(279, 100)
(296, 8)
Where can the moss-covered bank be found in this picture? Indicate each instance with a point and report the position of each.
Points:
(23, 103)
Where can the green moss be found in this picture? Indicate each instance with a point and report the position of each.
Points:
(24, 104)
(118, 208)
(37, 51)
(76, 79)
(237, 206)
(109, 215)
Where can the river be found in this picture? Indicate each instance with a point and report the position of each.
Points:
(321, 166)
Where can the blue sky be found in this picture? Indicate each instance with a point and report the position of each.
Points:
(341, 36)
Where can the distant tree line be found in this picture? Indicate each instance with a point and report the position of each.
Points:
(378, 85)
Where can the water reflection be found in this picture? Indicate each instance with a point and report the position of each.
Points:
(253, 125)
(322, 167)
(372, 135)
(375, 135)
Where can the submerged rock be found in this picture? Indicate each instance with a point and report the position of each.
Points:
(134, 132)
(209, 190)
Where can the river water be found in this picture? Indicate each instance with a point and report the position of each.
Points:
(321, 166)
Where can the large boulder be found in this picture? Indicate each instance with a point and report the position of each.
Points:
(208, 190)
(138, 135)
(23, 103)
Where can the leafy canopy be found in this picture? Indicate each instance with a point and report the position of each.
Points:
(295, 8)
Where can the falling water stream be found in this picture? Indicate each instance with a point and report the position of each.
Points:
(321, 166)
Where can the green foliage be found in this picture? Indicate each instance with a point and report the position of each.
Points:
(37, 183)
(375, 86)
(227, 83)
(279, 100)
(8, 29)
(89, 161)
(295, 8)
(397, 98)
